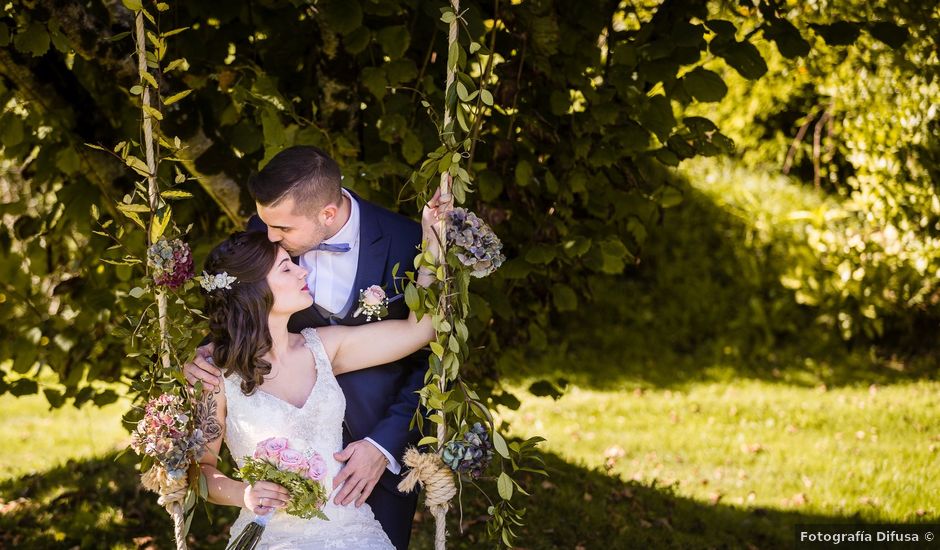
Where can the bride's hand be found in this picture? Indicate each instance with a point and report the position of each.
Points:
(432, 217)
(264, 497)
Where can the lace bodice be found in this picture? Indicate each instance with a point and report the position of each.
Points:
(317, 425)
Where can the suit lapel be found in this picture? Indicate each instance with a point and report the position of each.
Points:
(373, 250)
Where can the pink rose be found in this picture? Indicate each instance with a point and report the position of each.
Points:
(317, 468)
(373, 296)
(292, 461)
(271, 448)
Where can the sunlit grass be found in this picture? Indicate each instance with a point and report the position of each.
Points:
(37, 439)
(865, 452)
(722, 463)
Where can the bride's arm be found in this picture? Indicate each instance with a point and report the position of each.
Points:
(371, 344)
(223, 489)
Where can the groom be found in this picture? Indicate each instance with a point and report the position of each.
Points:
(346, 244)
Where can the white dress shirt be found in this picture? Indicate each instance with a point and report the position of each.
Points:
(331, 276)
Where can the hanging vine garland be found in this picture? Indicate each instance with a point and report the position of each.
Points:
(173, 489)
(466, 434)
(168, 419)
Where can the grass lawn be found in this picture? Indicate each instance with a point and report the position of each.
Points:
(37, 439)
(713, 464)
(869, 453)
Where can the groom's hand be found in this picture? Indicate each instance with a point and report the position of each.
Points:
(201, 369)
(364, 466)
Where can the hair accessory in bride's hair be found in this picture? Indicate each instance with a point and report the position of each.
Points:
(217, 281)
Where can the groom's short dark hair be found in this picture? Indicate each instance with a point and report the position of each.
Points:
(303, 172)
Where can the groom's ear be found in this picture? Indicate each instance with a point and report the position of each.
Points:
(328, 214)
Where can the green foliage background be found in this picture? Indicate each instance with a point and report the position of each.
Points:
(593, 103)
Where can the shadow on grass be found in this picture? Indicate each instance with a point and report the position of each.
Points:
(99, 504)
(96, 503)
(707, 304)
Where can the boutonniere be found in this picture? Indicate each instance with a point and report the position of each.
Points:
(373, 302)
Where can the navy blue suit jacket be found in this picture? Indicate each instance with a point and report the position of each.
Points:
(380, 401)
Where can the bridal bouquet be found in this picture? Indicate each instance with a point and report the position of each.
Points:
(301, 473)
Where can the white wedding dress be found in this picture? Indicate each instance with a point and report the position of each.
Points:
(317, 425)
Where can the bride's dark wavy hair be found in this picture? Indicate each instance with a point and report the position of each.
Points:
(238, 317)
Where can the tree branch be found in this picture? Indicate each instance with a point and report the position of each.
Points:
(788, 162)
(99, 170)
(224, 190)
(478, 123)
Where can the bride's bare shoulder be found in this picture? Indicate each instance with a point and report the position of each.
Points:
(330, 337)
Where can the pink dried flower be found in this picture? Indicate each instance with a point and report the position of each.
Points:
(171, 262)
(165, 433)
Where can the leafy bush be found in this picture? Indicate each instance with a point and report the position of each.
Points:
(805, 261)
(862, 124)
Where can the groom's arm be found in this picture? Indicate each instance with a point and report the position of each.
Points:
(393, 433)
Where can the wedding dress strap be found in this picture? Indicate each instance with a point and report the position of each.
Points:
(316, 346)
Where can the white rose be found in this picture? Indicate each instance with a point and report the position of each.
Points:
(373, 296)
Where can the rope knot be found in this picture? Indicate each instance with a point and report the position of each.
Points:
(430, 471)
(172, 495)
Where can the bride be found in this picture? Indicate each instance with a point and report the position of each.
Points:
(281, 384)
